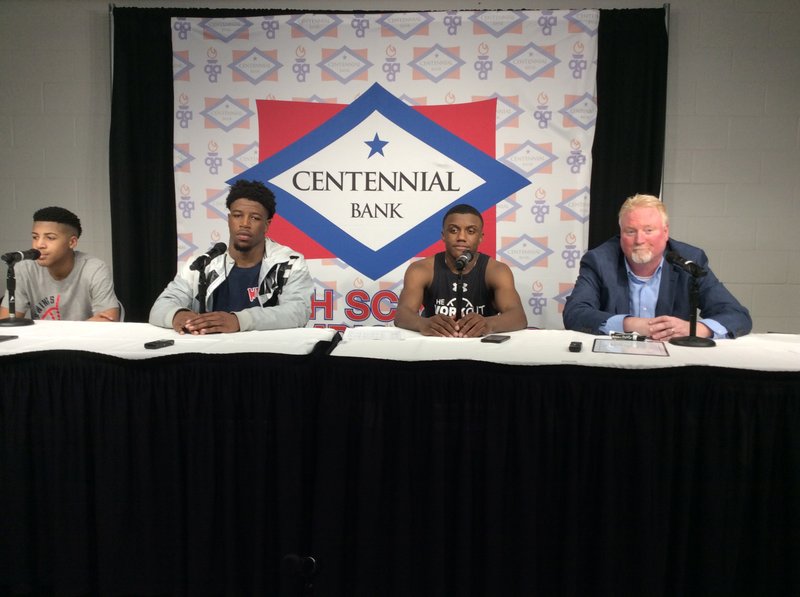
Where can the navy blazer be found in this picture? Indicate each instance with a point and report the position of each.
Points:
(601, 291)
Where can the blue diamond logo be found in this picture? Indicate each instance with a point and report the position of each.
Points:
(255, 66)
(377, 210)
(577, 205)
(506, 111)
(180, 158)
(436, 63)
(225, 29)
(529, 158)
(525, 252)
(344, 65)
(227, 113)
(498, 23)
(587, 20)
(581, 112)
(185, 247)
(531, 61)
(216, 204)
(247, 157)
(561, 297)
(314, 26)
(180, 66)
(405, 24)
(506, 209)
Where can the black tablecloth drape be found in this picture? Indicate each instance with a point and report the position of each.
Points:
(197, 474)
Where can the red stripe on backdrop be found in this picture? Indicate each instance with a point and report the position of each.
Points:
(281, 123)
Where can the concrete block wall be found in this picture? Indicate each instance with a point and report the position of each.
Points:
(732, 166)
(55, 100)
(733, 148)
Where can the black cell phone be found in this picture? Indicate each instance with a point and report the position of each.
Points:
(575, 346)
(495, 338)
(4, 338)
(159, 343)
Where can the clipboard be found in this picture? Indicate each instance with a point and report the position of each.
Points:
(650, 348)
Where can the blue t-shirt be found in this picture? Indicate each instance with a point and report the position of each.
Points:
(239, 290)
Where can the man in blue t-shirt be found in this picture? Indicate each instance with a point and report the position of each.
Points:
(257, 284)
(239, 290)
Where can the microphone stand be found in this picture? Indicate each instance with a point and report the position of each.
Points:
(459, 294)
(202, 289)
(12, 320)
(694, 302)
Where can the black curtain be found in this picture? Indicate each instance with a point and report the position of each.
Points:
(143, 221)
(628, 149)
(143, 216)
(462, 478)
(627, 154)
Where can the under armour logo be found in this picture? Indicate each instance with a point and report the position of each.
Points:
(463, 287)
(252, 293)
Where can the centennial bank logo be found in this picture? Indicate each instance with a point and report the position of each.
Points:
(372, 182)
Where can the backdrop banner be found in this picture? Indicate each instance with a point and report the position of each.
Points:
(369, 127)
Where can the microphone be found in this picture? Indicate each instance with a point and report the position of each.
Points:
(15, 256)
(204, 259)
(463, 260)
(690, 267)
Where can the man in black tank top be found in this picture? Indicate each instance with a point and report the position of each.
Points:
(462, 293)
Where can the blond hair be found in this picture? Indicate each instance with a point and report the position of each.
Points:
(639, 200)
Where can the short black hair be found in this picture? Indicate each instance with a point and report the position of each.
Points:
(254, 191)
(59, 215)
(462, 208)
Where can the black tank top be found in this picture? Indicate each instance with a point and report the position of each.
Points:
(440, 296)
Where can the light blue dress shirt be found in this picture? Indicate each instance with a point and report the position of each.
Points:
(643, 297)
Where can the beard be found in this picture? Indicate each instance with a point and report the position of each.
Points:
(641, 256)
(242, 247)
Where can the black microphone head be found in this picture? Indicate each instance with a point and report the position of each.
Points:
(217, 250)
(15, 256)
(463, 260)
(689, 267)
(673, 257)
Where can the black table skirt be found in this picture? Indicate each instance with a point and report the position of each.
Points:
(196, 474)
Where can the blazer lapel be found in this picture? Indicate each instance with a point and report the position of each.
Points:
(622, 294)
(666, 291)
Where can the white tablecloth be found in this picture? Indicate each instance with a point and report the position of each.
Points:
(766, 352)
(126, 340)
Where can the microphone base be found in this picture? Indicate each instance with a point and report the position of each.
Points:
(9, 322)
(693, 342)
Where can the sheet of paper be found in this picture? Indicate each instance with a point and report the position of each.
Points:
(653, 348)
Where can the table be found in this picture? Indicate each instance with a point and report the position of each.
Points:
(762, 352)
(126, 340)
(197, 473)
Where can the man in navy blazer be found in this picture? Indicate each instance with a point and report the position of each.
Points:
(627, 285)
